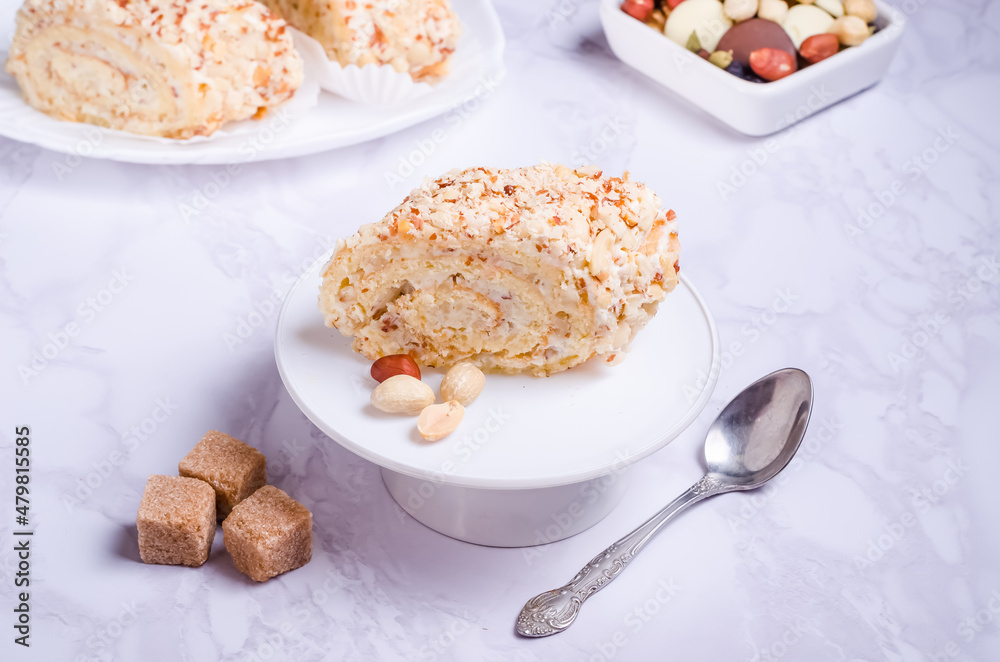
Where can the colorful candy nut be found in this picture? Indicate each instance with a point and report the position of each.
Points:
(773, 10)
(803, 21)
(740, 10)
(863, 9)
(834, 8)
(748, 36)
(706, 18)
(772, 64)
(721, 59)
(736, 69)
(850, 30)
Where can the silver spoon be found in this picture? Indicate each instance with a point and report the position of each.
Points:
(748, 444)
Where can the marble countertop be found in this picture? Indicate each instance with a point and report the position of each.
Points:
(137, 307)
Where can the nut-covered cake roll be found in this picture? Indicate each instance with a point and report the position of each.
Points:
(530, 269)
(414, 36)
(171, 68)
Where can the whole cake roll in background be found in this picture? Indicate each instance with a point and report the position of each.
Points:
(170, 68)
(534, 269)
(413, 36)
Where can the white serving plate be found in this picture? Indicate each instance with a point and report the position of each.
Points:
(333, 122)
(756, 109)
(525, 441)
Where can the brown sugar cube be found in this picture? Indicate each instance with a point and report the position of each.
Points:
(268, 533)
(234, 469)
(176, 521)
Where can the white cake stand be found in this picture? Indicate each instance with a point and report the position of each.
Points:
(535, 459)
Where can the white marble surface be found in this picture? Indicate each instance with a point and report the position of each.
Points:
(880, 543)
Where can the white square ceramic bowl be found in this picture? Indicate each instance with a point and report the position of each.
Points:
(756, 109)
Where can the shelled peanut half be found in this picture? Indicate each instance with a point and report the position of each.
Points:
(401, 391)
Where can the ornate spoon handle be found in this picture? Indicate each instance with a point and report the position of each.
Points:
(555, 610)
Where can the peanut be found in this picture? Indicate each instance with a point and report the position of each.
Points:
(464, 382)
(819, 47)
(773, 10)
(850, 30)
(438, 421)
(640, 9)
(863, 9)
(402, 394)
(772, 63)
(394, 364)
(740, 10)
(834, 8)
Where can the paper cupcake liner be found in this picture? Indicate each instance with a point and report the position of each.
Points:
(370, 84)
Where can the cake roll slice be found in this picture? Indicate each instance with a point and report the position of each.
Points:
(170, 68)
(416, 37)
(534, 269)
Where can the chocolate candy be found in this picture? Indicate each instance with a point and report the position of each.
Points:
(753, 34)
(743, 71)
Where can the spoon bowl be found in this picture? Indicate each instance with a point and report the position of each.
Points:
(753, 438)
(758, 432)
